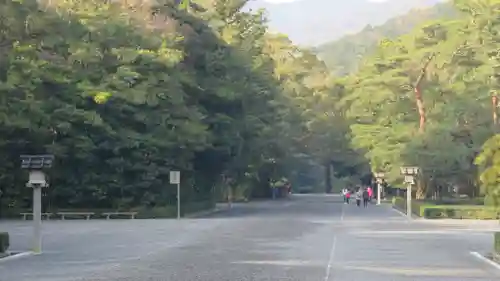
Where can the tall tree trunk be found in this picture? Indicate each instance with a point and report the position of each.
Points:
(421, 184)
(421, 110)
(421, 189)
(328, 178)
(418, 94)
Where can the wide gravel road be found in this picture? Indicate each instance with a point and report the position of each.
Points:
(306, 238)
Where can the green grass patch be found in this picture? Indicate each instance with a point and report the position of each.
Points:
(169, 211)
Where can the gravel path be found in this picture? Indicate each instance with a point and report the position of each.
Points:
(306, 238)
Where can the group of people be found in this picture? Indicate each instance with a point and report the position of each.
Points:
(361, 194)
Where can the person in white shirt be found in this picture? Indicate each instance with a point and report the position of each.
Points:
(345, 194)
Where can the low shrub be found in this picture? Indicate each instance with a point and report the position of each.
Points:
(4, 242)
(157, 212)
(171, 211)
(399, 203)
(417, 206)
(497, 243)
(195, 207)
(12, 213)
(428, 210)
(460, 212)
(479, 201)
(490, 200)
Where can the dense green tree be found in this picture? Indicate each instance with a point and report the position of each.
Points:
(122, 92)
(455, 94)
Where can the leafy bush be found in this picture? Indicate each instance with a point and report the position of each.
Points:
(490, 200)
(497, 243)
(398, 202)
(156, 212)
(416, 206)
(4, 242)
(460, 212)
(458, 201)
(194, 207)
(428, 210)
(171, 211)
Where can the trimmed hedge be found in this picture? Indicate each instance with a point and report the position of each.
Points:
(169, 211)
(460, 212)
(428, 210)
(479, 201)
(4, 242)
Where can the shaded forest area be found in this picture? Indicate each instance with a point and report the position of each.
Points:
(124, 91)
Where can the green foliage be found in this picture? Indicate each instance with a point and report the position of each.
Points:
(435, 210)
(399, 203)
(381, 108)
(184, 4)
(489, 162)
(452, 201)
(460, 212)
(4, 242)
(122, 93)
(457, 201)
(171, 211)
(490, 200)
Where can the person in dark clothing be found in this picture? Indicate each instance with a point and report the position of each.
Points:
(366, 197)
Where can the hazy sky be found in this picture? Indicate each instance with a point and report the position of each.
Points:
(312, 22)
(286, 1)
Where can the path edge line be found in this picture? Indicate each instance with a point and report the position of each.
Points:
(399, 212)
(331, 256)
(17, 256)
(486, 260)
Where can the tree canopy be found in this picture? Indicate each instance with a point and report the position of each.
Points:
(122, 92)
(425, 99)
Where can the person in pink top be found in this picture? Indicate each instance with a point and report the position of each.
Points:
(370, 193)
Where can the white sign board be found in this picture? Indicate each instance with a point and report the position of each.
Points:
(409, 179)
(37, 179)
(175, 177)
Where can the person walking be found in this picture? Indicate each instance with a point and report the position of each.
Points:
(344, 194)
(359, 196)
(370, 193)
(347, 197)
(366, 197)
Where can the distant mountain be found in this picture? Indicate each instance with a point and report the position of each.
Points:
(313, 22)
(342, 56)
